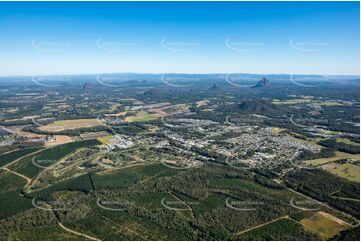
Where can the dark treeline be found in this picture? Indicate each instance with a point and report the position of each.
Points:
(70, 132)
(348, 148)
(321, 185)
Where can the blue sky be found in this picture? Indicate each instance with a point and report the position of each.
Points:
(185, 37)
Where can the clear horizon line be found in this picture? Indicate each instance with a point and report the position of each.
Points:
(182, 73)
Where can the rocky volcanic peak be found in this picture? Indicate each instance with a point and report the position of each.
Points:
(264, 82)
(214, 86)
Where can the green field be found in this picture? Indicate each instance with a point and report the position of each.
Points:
(302, 101)
(12, 203)
(284, 229)
(81, 183)
(347, 170)
(10, 200)
(45, 233)
(61, 125)
(105, 139)
(122, 178)
(11, 156)
(142, 117)
(293, 101)
(233, 183)
(325, 224)
(338, 156)
(26, 167)
(213, 201)
(129, 176)
(115, 179)
(151, 201)
(346, 141)
(10, 182)
(120, 226)
(246, 185)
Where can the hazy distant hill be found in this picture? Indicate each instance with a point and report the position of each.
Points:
(262, 107)
(152, 92)
(189, 79)
(258, 106)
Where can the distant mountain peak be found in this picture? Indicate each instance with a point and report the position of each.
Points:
(87, 85)
(258, 106)
(264, 82)
(214, 86)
